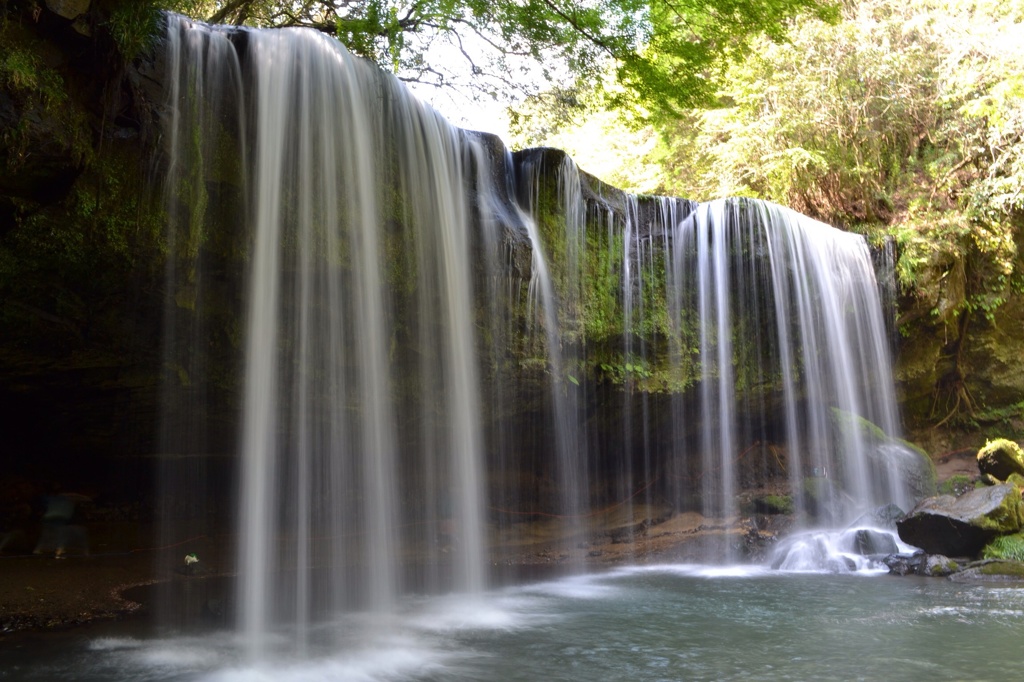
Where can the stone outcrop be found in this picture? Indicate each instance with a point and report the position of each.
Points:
(1001, 459)
(870, 542)
(962, 526)
(920, 563)
(69, 9)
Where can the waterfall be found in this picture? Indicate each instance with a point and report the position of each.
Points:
(784, 302)
(336, 274)
(420, 344)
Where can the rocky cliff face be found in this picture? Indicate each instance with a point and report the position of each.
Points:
(82, 288)
(960, 375)
(79, 247)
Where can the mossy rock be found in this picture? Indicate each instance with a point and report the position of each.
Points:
(774, 504)
(991, 570)
(1001, 458)
(962, 526)
(885, 454)
(939, 566)
(1003, 569)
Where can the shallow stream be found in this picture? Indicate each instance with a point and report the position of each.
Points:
(673, 622)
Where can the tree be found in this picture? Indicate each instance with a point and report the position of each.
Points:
(664, 54)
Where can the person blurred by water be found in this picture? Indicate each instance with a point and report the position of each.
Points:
(58, 533)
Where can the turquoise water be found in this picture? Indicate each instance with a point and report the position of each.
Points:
(660, 623)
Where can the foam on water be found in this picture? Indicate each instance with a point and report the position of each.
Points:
(828, 551)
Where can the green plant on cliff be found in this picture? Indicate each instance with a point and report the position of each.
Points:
(23, 72)
(134, 27)
(1005, 547)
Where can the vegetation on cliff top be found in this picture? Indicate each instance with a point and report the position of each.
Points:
(901, 120)
(664, 56)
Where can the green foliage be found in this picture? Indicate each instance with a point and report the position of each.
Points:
(661, 56)
(1005, 547)
(23, 72)
(957, 485)
(40, 96)
(775, 504)
(133, 26)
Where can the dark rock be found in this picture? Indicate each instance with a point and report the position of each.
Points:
(962, 526)
(868, 542)
(920, 563)
(905, 564)
(882, 517)
(69, 9)
(1001, 458)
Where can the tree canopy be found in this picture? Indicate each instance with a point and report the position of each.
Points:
(663, 55)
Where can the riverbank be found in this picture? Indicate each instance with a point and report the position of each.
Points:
(42, 592)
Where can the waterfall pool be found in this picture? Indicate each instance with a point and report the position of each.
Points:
(668, 622)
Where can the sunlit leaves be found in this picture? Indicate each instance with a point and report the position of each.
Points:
(664, 54)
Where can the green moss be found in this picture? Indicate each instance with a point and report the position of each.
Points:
(1005, 547)
(851, 425)
(1001, 457)
(957, 485)
(776, 504)
(134, 26)
(1007, 518)
(1011, 569)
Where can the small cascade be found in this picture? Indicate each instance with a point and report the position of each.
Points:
(560, 320)
(854, 550)
(773, 362)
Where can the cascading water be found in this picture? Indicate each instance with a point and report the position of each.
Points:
(390, 334)
(789, 313)
(333, 492)
(561, 340)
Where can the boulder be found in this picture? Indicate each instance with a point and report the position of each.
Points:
(938, 566)
(868, 542)
(883, 517)
(1001, 458)
(912, 464)
(905, 564)
(962, 526)
(919, 563)
(887, 457)
(69, 9)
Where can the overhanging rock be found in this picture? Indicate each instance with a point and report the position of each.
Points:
(962, 526)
